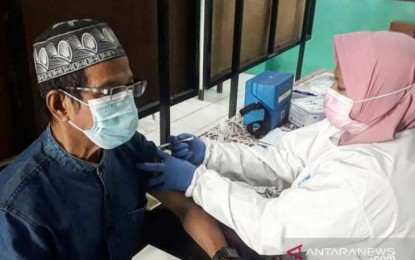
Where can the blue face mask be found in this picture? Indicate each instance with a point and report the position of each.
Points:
(115, 119)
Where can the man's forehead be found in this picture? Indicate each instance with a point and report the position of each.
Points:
(109, 73)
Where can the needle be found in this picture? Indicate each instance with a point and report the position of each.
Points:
(180, 141)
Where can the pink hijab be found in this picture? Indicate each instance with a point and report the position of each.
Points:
(373, 64)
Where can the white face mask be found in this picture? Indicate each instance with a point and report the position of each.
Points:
(338, 107)
(115, 120)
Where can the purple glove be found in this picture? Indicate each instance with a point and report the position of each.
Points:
(175, 174)
(192, 151)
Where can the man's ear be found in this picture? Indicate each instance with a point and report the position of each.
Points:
(58, 104)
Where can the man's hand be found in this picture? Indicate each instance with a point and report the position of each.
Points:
(175, 174)
(192, 151)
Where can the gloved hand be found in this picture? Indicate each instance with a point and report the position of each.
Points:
(192, 151)
(175, 174)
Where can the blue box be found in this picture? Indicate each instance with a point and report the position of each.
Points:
(273, 90)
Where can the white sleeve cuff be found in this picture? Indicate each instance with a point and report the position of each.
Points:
(198, 172)
(208, 144)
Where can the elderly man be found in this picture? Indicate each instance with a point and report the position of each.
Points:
(76, 193)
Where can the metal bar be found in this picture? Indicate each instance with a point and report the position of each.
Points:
(211, 82)
(236, 56)
(198, 77)
(273, 26)
(219, 88)
(303, 39)
(22, 92)
(207, 57)
(164, 68)
(311, 19)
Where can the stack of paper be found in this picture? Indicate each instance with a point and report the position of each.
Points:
(272, 138)
(315, 85)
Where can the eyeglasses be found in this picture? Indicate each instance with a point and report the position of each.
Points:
(137, 87)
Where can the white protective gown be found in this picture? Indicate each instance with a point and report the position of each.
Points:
(362, 191)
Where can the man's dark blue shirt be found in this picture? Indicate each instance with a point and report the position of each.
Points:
(56, 206)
